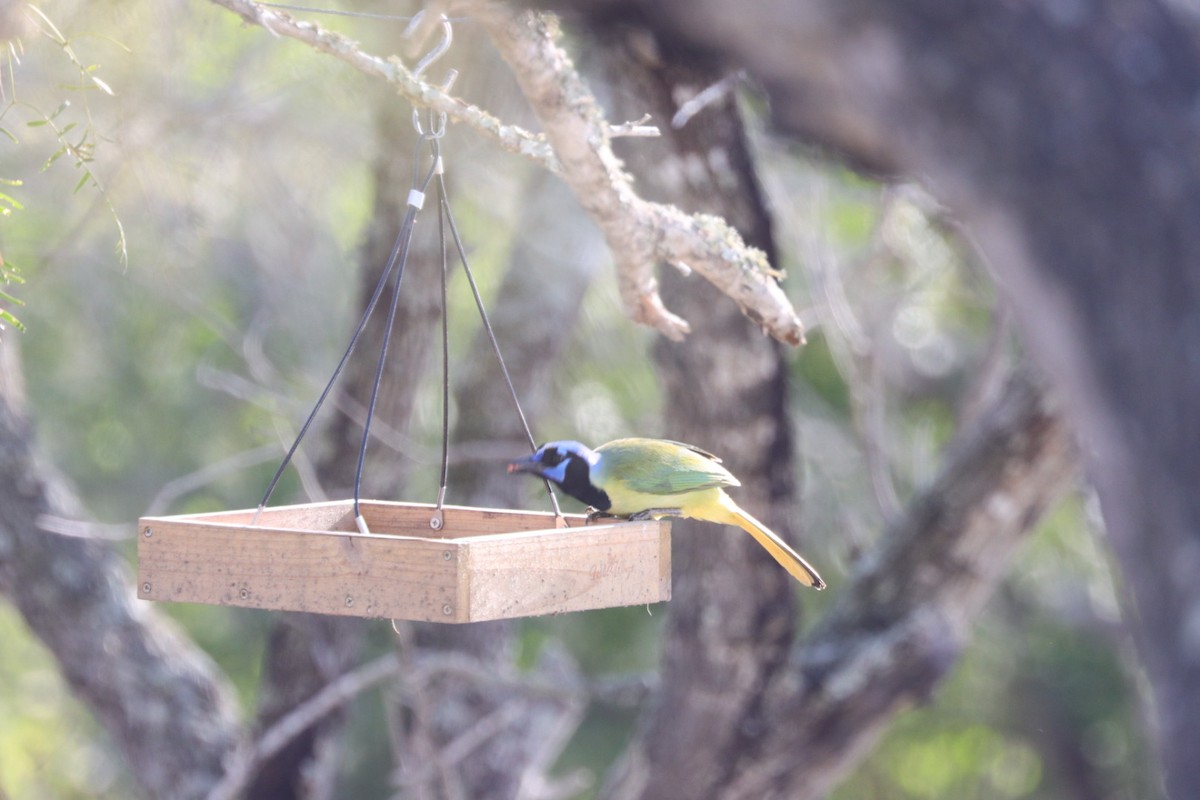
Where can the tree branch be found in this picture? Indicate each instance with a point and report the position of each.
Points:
(640, 233)
(904, 617)
(157, 694)
(1076, 168)
(726, 389)
(511, 137)
(332, 697)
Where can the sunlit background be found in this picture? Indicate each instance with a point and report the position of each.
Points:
(188, 245)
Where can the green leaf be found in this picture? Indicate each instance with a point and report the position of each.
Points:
(6, 316)
(54, 157)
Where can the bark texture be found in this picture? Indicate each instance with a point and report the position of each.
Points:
(732, 614)
(515, 736)
(165, 703)
(639, 233)
(305, 651)
(1063, 135)
(903, 618)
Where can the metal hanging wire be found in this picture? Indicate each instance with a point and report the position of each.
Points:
(395, 265)
(396, 262)
(445, 213)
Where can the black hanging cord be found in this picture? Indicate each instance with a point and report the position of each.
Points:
(416, 199)
(399, 250)
(444, 205)
(396, 263)
(437, 520)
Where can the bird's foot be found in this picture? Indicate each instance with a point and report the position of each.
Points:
(595, 514)
(655, 513)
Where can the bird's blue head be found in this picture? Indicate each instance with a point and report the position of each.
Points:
(552, 460)
(569, 465)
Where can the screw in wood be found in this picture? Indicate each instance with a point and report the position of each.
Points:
(148, 532)
(146, 587)
(447, 609)
(446, 556)
(349, 602)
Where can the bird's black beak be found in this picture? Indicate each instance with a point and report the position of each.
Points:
(527, 464)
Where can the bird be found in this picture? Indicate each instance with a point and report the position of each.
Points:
(639, 478)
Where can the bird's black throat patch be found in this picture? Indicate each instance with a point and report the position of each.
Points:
(577, 483)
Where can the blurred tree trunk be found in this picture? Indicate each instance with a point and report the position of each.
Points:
(160, 697)
(902, 618)
(556, 253)
(550, 268)
(1065, 141)
(307, 651)
(1064, 137)
(732, 617)
(733, 719)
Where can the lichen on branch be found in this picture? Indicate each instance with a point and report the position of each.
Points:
(576, 145)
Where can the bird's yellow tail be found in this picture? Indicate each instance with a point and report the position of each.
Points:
(780, 550)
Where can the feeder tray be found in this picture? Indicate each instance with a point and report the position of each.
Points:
(482, 564)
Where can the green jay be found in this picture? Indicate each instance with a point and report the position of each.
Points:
(652, 478)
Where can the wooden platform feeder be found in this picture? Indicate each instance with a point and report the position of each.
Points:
(482, 564)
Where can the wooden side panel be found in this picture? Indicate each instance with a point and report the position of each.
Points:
(553, 572)
(318, 572)
(491, 563)
(412, 519)
(393, 518)
(335, 515)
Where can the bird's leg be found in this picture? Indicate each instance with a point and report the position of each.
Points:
(594, 514)
(655, 513)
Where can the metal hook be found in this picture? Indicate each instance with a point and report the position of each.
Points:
(439, 50)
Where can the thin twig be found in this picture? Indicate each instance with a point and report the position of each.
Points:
(190, 482)
(709, 96)
(511, 137)
(857, 360)
(634, 128)
(420, 670)
(622, 691)
(274, 739)
(464, 744)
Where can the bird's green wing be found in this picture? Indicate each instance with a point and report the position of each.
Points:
(693, 448)
(662, 467)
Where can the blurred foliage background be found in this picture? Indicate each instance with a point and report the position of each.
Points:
(189, 263)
